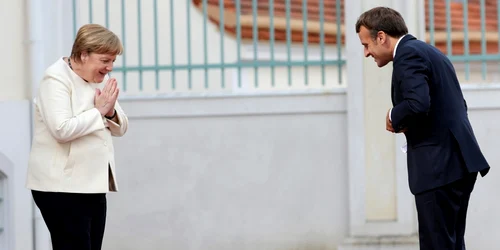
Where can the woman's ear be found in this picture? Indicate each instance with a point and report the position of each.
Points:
(84, 56)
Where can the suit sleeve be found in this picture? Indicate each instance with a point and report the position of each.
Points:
(54, 103)
(120, 128)
(414, 86)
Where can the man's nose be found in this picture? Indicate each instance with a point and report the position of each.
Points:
(367, 53)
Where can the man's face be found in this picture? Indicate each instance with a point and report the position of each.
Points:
(375, 48)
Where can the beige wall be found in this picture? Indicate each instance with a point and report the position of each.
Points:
(14, 66)
(260, 172)
(241, 172)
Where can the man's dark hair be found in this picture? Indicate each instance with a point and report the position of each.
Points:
(382, 19)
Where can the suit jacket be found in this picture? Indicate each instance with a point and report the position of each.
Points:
(428, 101)
(72, 149)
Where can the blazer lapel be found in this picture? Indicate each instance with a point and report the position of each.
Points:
(395, 96)
(405, 39)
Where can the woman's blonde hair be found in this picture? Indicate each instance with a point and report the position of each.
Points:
(94, 38)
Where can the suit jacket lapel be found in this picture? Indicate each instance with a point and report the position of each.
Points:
(394, 88)
(405, 39)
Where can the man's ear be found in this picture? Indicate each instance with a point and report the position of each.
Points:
(381, 37)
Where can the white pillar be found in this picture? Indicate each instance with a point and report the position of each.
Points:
(50, 37)
(382, 211)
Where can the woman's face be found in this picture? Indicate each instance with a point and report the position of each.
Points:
(96, 66)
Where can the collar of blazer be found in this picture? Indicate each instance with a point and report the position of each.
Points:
(405, 39)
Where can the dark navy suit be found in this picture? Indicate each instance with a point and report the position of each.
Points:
(443, 155)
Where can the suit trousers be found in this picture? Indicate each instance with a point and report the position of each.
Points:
(442, 214)
(75, 221)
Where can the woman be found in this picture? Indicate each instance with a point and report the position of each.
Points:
(71, 165)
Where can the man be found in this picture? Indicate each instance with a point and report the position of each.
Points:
(443, 155)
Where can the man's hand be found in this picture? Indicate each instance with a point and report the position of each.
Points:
(388, 123)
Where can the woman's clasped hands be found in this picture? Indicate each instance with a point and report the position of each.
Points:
(105, 99)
